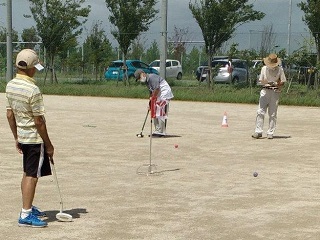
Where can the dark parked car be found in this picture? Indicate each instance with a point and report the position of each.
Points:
(234, 71)
(115, 69)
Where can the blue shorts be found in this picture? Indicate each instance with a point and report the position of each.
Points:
(35, 160)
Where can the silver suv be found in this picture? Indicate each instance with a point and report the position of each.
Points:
(173, 68)
(234, 71)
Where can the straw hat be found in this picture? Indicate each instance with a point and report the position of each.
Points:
(272, 60)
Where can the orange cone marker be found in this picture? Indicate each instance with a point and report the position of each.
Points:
(224, 120)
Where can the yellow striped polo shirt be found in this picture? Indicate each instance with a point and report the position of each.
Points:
(25, 100)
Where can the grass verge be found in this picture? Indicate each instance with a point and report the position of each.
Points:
(185, 90)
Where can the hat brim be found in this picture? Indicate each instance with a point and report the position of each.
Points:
(137, 74)
(39, 67)
(269, 64)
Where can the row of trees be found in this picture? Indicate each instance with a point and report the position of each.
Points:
(59, 23)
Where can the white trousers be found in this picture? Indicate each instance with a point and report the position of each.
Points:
(269, 100)
(161, 124)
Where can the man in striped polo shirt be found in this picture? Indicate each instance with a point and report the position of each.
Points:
(25, 114)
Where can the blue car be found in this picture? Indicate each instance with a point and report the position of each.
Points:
(115, 72)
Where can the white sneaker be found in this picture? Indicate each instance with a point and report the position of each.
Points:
(158, 134)
(257, 135)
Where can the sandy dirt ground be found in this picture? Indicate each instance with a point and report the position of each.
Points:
(202, 189)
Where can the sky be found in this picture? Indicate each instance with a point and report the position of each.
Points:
(179, 16)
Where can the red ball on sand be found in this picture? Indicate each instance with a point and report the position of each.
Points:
(176, 145)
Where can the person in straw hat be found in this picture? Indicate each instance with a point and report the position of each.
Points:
(272, 78)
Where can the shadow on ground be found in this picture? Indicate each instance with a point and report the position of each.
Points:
(75, 213)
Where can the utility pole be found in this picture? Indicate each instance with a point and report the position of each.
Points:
(9, 73)
(163, 49)
(289, 27)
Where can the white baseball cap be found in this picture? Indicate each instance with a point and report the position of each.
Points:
(28, 58)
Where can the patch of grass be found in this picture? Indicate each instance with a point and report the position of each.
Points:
(183, 90)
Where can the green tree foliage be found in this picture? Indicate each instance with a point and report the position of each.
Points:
(152, 53)
(191, 61)
(58, 24)
(63, 59)
(68, 62)
(97, 48)
(311, 9)
(218, 20)
(137, 49)
(177, 43)
(3, 47)
(267, 40)
(3, 38)
(29, 35)
(233, 51)
(130, 18)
